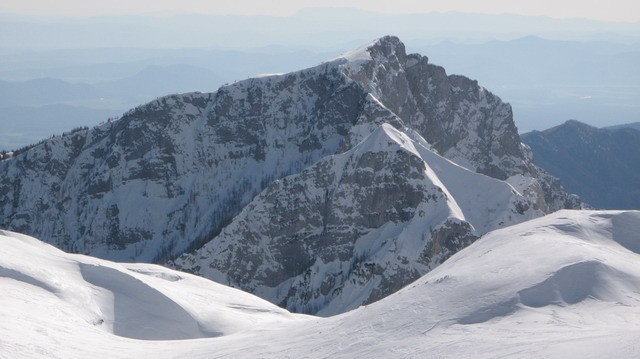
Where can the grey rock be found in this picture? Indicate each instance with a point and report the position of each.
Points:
(355, 227)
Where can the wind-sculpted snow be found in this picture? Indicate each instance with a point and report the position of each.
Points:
(560, 286)
(167, 177)
(357, 226)
(140, 301)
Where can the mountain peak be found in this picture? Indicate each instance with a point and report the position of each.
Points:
(388, 42)
(382, 47)
(572, 126)
(576, 123)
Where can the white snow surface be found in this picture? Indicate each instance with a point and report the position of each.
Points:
(140, 301)
(562, 286)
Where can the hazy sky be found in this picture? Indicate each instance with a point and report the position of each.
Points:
(616, 10)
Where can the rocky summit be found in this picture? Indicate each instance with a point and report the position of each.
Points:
(319, 190)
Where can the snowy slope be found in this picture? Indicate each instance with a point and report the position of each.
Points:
(141, 301)
(355, 227)
(561, 286)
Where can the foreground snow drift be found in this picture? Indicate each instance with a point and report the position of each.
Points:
(139, 301)
(565, 285)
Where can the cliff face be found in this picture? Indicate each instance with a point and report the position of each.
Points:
(463, 121)
(167, 177)
(358, 226)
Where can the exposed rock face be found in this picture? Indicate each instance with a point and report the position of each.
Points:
(356, 227)
(463, 121)
(168, 176)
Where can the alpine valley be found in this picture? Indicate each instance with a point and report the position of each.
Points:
(319, 190)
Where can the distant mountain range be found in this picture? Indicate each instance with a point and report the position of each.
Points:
(547, 69)
(44, 91)
(36, 109)
(600, 164)
(152, 81)
(322, 27)
(548, 81)
(635, 125)
(545, 81)
(26, 125)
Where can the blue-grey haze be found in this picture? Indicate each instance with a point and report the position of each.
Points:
(549, 70)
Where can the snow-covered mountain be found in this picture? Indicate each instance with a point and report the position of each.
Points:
(561, 286)
(169, 176)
